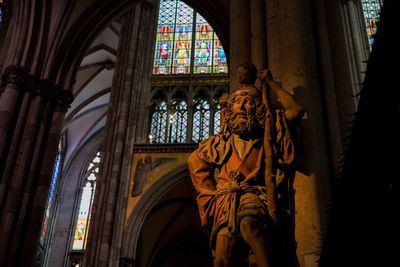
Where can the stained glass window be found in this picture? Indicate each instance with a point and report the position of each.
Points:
(175, 45)
(217, 119)
(51, 197)
(158, 122)
(201, 120)
(178, 121)
(185, 117)
(86, 203)
(371, 10)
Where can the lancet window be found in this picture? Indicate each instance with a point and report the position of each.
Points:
(49, 214)
(371, 10)
(82, 222)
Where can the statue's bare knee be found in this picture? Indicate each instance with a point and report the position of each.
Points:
(223, 249)
(251, 229)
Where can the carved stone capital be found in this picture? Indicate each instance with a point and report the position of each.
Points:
(14, 75)
(32, 84)
(62, 98)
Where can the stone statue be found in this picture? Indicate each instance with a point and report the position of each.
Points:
(236, 173)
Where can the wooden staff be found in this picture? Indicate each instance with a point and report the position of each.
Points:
(270, 168)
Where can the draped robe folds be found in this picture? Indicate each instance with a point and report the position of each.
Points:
(240, 182)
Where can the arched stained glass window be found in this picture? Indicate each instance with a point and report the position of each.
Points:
(86, 203)
(189, 51)
(176, 47)
(371, 10)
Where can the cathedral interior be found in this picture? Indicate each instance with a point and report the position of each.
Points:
(102, 102)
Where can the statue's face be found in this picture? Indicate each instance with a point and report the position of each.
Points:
(242, 118)
(242, 106)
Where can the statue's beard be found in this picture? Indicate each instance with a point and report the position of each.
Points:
(246, 128)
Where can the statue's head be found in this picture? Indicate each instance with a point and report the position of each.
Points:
(246, 113)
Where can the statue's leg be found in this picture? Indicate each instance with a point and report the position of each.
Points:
(252, 232)
(223, 249)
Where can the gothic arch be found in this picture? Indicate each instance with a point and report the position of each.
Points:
(145, 205)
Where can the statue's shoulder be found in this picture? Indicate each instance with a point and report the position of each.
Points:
(214, 149)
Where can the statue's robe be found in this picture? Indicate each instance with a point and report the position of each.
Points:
(239, 189)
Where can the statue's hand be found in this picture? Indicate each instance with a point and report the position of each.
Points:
(265, 75)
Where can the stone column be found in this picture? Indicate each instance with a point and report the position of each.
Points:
(12, 87)
(23, 174)
(292, 56)
(126, 124)
(258, 33)
(240, 43)
(43, 159)
(247, 36)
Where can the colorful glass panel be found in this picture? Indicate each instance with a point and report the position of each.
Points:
(183, 39)
(175, 44)
(371, 10)
(201, 120)
(86, 204)
(203, 46)
(220, 64)
(164, 38)
(51, 196)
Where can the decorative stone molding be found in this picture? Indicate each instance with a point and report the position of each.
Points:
(165, 148)
(33, 84)
(62, 98)
(49, 92)
(13, 75)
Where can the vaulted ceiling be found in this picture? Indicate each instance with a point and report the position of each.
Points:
(88, 112)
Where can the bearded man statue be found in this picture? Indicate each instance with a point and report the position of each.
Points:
(228, 172)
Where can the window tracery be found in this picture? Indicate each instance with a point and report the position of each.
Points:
(371, 9)
(82, 222)
(186, 42)
(190, 115)
(189, 74)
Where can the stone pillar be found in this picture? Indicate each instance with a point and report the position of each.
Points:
(48, 141)
(26, 173)
(258, 33)
(239, 43)
(126, 125)
(12, 87)
(292, 57)
(247, 36)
